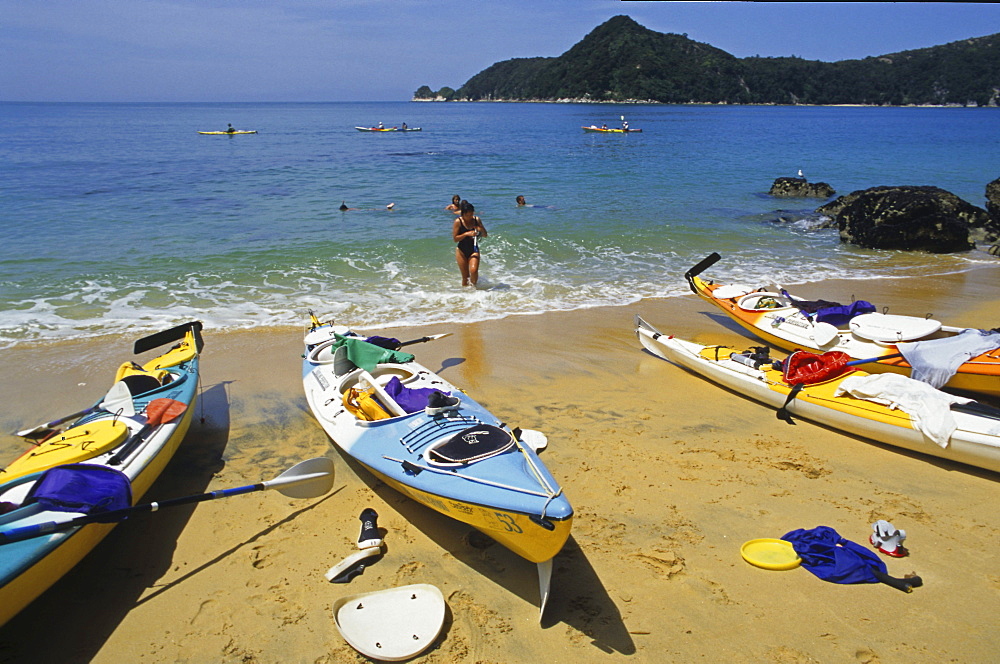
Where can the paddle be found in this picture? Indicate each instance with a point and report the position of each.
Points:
(854, 363)
(425, 339)
(166, 336)
(976, 408)
(823, 333)
(705, 263)
(117, 400)
(158, 411)
(308, 479)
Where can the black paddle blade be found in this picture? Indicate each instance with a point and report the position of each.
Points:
(168, 336)
(976, 408)
(706, 263)
(783, 414)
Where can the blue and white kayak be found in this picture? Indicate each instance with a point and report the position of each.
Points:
(459, 460)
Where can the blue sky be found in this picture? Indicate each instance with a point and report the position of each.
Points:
(383, 50)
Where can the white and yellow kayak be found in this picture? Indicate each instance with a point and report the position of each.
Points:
(974, 440)
(228, 133)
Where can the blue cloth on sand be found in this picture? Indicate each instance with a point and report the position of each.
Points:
(832, 558)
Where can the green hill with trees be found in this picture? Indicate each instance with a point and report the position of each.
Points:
(621, 61)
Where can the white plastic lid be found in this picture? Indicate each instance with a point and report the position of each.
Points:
(394, 624)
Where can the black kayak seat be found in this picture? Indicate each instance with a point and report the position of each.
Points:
(140, 383)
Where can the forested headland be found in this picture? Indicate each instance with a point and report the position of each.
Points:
(622, 61)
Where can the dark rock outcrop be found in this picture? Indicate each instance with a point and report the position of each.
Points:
(993, 201)
(800, 188)
(909, 218)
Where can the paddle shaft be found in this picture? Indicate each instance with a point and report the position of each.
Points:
(118, 399)
(113, 516)
(424, 339)
(48, 425)
(854, 363)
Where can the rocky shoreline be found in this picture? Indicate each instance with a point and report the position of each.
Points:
(908, 218)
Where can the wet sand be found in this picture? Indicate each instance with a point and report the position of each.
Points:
(668, 475)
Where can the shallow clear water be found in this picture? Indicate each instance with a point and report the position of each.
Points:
(120, 217)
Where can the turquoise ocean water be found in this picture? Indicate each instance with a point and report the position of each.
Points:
(121, 218)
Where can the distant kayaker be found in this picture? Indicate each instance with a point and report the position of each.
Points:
(624, 125)
(466, 231)
(521, 202)
(381, 126)
(604, 126)
(404, 126)
(230, 130)
(455, 204)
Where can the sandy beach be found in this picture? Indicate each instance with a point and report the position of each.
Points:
(668, 475)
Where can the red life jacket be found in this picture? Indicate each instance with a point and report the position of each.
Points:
(809, 368)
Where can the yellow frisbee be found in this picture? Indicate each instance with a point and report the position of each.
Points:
(770, 553)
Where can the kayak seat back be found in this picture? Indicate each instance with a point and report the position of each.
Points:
(140, 383)
(365, 397)
(341, 363)
(140, 380)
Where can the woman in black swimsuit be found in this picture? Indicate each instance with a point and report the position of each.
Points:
(466, 231)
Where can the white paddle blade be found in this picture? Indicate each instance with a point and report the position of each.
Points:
(544, 581)
(536, 440)
(308, 479)
(119, 400)
(824, 333)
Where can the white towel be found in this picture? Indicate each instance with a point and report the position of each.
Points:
(929, 408)
(936, 361)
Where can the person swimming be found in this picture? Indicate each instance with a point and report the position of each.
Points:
(521, 202)
(455, 206)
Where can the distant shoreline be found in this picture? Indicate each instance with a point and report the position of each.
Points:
(692, 103)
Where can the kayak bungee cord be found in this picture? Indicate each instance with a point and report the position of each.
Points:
(452, 473)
